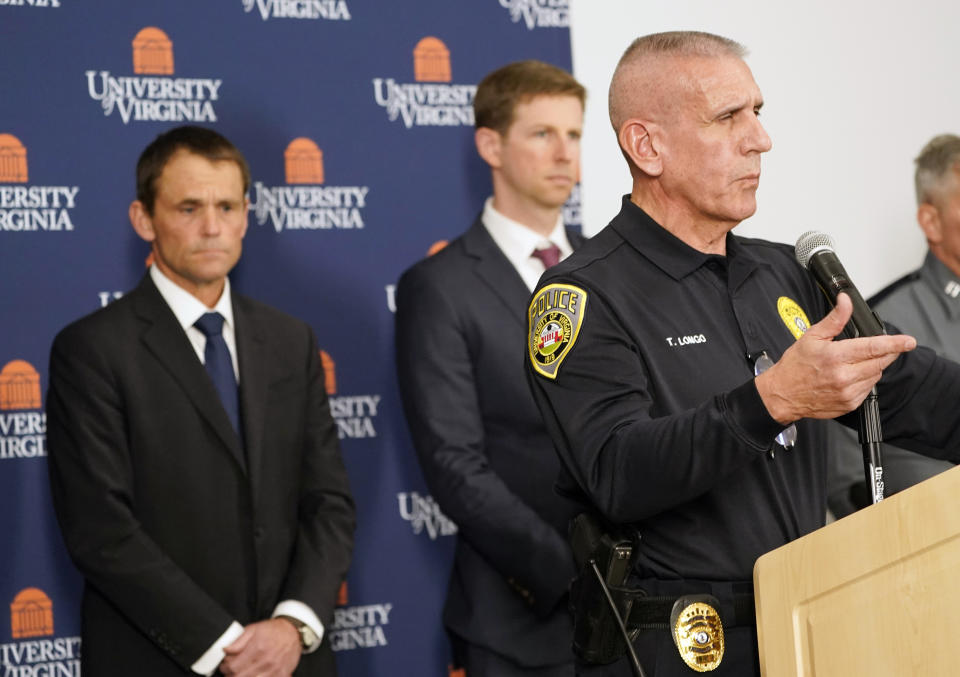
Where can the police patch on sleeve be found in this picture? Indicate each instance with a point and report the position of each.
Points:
(793, 316)
(555, 316)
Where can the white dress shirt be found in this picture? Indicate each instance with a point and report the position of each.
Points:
(188, 309)
(517, 242)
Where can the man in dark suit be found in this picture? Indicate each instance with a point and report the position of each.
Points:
(194, 464)
(460, 325)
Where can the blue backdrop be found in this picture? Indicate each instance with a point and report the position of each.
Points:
(356, 119)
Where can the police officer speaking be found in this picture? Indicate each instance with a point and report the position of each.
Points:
(684, 372)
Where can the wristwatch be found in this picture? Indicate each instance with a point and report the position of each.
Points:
(308, 638)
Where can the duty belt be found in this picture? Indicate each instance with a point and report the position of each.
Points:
(696, 622)
(647, 612)
(695, 613)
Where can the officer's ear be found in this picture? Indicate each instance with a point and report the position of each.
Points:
(141, 221)
(929, 219)
(489, 146)
(637, 140)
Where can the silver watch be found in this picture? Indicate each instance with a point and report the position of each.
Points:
(308, 638)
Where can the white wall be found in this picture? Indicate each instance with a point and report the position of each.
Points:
(852, 91)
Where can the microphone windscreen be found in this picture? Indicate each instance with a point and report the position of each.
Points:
(810, 243)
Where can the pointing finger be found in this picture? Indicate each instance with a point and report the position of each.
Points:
(885, 348)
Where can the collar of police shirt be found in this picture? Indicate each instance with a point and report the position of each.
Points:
(188, 308)
(943, 282)
(517, 242)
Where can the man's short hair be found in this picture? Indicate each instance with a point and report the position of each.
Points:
(672, 43)
(938, 158)
(500, 91)
(197, 140)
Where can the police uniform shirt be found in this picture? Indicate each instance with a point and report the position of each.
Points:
(653, 406)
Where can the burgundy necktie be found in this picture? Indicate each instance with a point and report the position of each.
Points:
(549, 256)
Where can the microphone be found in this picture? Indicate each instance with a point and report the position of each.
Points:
(815, 252)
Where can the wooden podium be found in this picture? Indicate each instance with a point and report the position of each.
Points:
(876, 593)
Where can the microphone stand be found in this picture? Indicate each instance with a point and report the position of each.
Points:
(870, 438)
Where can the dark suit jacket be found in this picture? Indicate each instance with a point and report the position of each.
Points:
(178, 529)
(460, 334)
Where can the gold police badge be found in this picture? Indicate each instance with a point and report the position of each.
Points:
(793, 316)
(554, 316)
(698, 632)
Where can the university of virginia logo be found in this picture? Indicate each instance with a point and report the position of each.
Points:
(298, 9)
(32, 3)
(156, 97)
(539, 13)
(358, 627)
(23, 424)
(31, 614)
(13, 160)
(428, 102)
(305, 203)
(35, 651)
(29, 207)
(354, 414)
(424, 514)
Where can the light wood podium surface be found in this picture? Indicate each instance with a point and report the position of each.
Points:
(876, 593)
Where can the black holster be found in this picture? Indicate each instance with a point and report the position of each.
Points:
(596, 637)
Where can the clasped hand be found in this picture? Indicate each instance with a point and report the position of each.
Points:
(266, 648)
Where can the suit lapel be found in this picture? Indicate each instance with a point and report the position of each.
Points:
(495, 270)
(164, 338)
(254, 361)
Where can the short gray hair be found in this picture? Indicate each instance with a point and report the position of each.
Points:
(940, 156)
(671, 43)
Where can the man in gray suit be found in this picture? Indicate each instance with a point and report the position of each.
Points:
(194, 464)
(483, 449)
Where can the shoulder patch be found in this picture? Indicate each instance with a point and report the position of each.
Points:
(793, 316)
(555, 316)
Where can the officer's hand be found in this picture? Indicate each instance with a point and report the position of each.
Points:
(269, 647)
(818, 377)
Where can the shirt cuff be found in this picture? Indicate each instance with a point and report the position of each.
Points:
(211, 659)
(304, 614)
(747, 415)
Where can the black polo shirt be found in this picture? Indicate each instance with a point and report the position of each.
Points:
(653, 408)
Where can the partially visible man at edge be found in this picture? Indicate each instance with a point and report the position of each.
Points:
(483, 449)
(195, 468)
(925, 303)
(686, 393)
